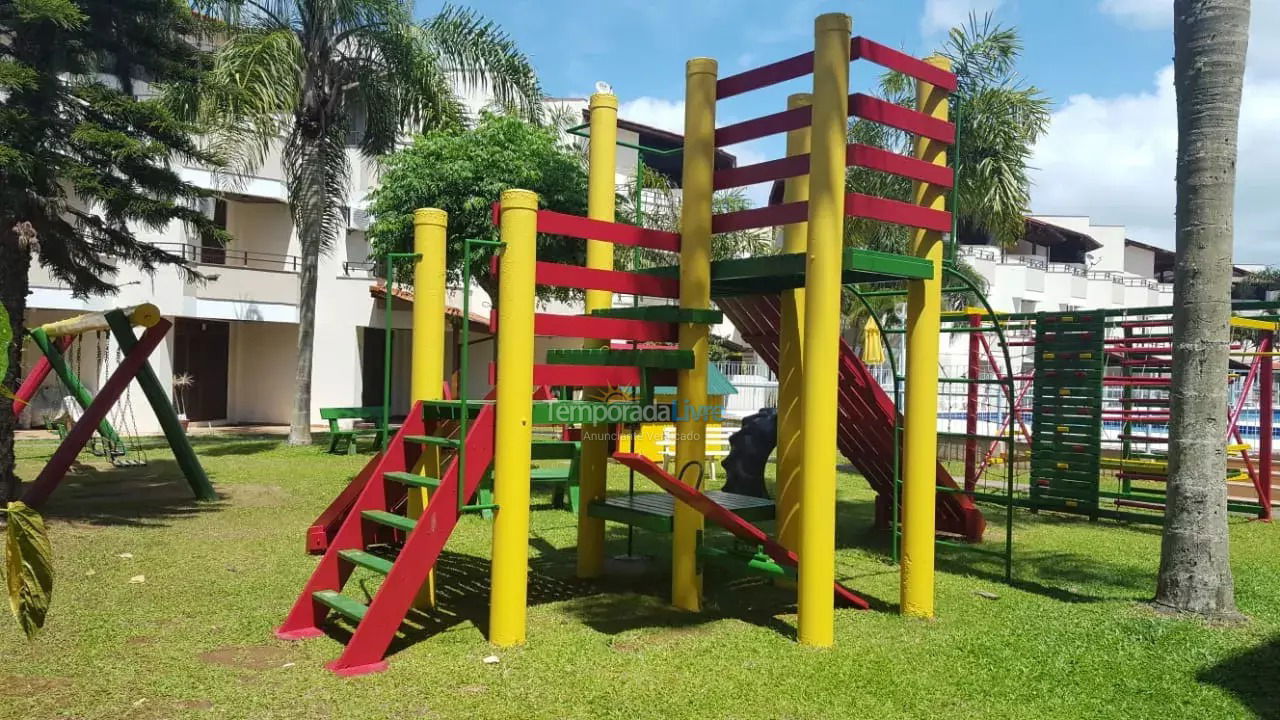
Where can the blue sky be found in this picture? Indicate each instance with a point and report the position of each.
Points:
(1109, 152)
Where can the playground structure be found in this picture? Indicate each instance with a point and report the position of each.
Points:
(388, 525)
(1089, 433)
(53, 340)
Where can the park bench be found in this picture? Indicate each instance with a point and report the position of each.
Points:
(367, 421)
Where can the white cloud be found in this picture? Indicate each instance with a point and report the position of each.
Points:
(1113, 159)
(1145, 14)
(942, 15)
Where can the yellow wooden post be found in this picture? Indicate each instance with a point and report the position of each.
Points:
(593, 461)
(695, 293)
(430, 226)
(822, 329)
(795, 239)
(514, 423)
(924, 328)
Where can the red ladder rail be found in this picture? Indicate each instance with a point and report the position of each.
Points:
(724, 517)
(32, 381)
(366, 650)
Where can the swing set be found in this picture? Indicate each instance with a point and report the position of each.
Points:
(104, 423)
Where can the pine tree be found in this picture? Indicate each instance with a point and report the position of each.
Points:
(85, 158)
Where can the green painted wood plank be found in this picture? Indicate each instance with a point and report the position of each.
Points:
(412, 479)
(436, 441)
(341, 604)
(663, 313)
(366, 560)
(399, 522)
(666, 359)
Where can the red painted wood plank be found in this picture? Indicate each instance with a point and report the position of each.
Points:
(598, 328)
(765, 126)
(765, 75)
(856, 155)
(856, 204)
(864, 49)
(912, 121)
(555, 223)
(87, 425)
(896, 212)
(576, 276)
(768, 216)
(39, 372)
(724, 517)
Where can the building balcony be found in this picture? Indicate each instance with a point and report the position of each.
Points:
(246, 276)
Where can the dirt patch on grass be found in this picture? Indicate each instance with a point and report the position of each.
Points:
(27, 686)
(248, 657)
(656, 639)
(255, 496)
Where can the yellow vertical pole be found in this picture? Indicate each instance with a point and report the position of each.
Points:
(602, 154)
(924, 328)
(513, 430)
(822, 329)
(695, 292)
(795, 239)
(430, 226)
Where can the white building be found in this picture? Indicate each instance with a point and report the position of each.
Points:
(236, 335)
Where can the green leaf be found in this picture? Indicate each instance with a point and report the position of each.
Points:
(28, 567)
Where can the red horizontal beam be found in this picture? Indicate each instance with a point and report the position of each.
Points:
(592, 375)
(792, 119)
(599, 328)
(896, 212)
(859, 48)
(554, 223)
(583, 278)
(765, 75)
(856, 155)
(884, 56)
(855, 204)
(896, 116)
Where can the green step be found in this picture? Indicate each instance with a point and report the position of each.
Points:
(549, 474)
(452, 409)
(433, 440)
(663, 313)
(412, 479)
(366, 560)
(343, 605)
(667, 359)
(399, 522)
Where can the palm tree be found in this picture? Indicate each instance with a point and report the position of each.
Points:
(998, 118)
(323, 74)
(1209, 42)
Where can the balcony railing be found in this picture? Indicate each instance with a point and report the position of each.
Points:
(232, 257)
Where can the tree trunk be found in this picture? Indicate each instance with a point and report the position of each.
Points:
(1209, 37)
(15, 262)
(300, 428)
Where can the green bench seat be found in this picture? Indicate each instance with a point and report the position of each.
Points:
(343, 442)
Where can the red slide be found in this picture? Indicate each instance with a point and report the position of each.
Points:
(723, 517)
(865, 434)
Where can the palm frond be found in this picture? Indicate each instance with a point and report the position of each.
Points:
(482, 56)
(317, 172)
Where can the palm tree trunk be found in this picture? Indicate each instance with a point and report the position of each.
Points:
(15, 262)
(1210, 38)
(300, 427)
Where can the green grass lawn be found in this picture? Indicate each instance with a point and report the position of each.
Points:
(1071, 638)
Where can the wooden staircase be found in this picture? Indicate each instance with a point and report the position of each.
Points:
(377, 536)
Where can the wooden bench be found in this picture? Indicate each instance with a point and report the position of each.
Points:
(562, 478)
(344, 441)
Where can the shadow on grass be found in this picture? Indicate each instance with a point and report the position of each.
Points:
(1250, 677)
(149, 495)
(1060, 576)
(249, 447)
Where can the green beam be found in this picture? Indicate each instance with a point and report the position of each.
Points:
(159, 399)
(71, 381)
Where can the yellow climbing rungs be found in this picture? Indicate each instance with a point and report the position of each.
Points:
(1239, 447)
(1252, 323)
(1150, 466)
